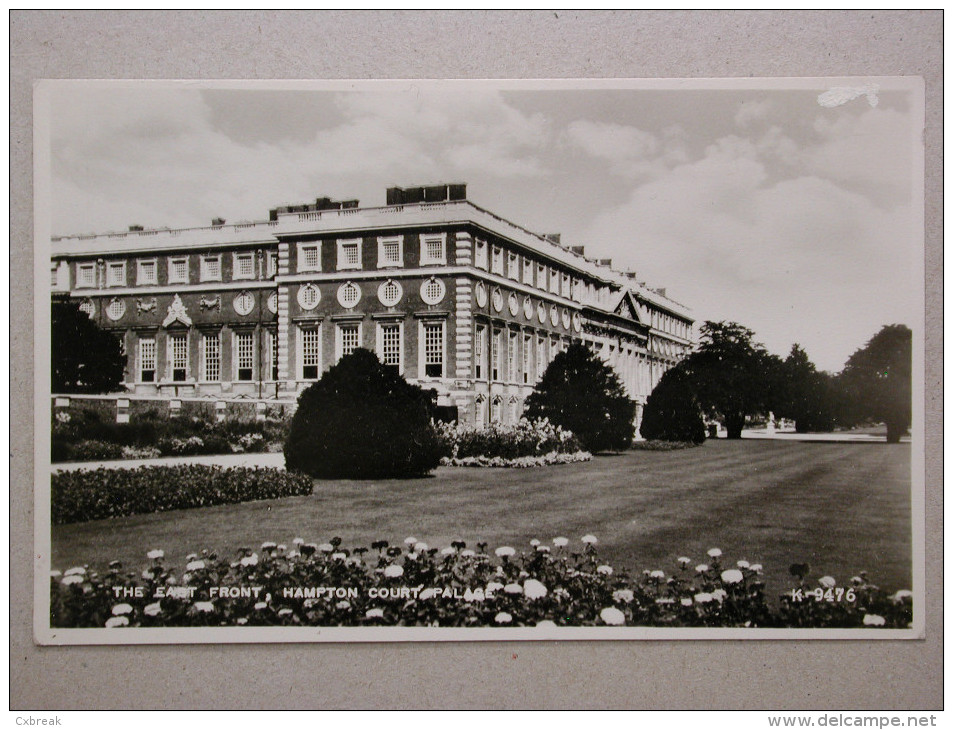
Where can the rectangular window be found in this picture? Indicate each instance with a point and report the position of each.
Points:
(147, 359)
(310, 353)
(388, 345)
(179, 270)
(211, 357)
(496, 409)
(433, 349)
(527, 272)
(179, 357)
(271, 263)
(541, 276)
(349, 254)
(309, 257)
(479, 410)
(553, 348)
(512, 357)
(211, 268)
(86, 275)
(497, 263)
(495, 346)
(349, 339)
(54, 276)
(243, 266)
(527, 347)
(567, 286)
(244, 356)
(147, 273)
(390, 251)
(479, 353)
(273, 352)
(553, 281)
(513, 266)
(116, 273)
(540, 358)
(479, 255)
(433, 249)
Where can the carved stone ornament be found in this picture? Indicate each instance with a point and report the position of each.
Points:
(211, 303)
(143, 306)
(177, 313)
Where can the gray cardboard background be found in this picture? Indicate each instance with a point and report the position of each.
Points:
(441, 44)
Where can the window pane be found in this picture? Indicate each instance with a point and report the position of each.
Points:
(433, 349)
(390, 345)
(211, 357)
(244, 355)
(348, 335)
(147, 360)
(309, 354)
(179, 357)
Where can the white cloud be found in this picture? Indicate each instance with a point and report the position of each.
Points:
(752, 111)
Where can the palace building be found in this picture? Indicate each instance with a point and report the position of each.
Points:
(455, 298)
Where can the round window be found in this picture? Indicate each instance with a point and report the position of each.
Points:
(244, 303)
(565, 319)
(273, 302)
(432, 291)
(116, 309)
(390, 292)
(349, 294)
(514, 304)
(528, 308)
(308, 296)
(554, 315)
(480, 295)
(541, 313)
(577, 322)
(88, 307)
(497, 300)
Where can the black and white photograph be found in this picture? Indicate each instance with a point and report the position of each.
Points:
(355, 361)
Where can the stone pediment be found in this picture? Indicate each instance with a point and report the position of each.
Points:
(177, 313)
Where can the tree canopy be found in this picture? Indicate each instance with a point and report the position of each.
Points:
(85, 357)
(672, 411)
(806, 395)
(877, 383)
(583, 394)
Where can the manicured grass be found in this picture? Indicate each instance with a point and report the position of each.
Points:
(841, 507)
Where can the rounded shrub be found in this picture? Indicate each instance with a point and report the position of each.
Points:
(672, 412)
(362, 421)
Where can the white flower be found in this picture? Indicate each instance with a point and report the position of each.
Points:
(410, 540)
(686, 601)
(120, 608)
(827, 581)
(493, 586)
(901, 595)
(560, 541)
(659, 574)
(743, 564)
(714, 553)
(426, 594)
(623, 595)
(191, 556)
(339, 556)
(701, 568)
(604, 569)
(116, 621)
(872, 619)
(155, 554)
(413, 556)
(719, 594)
(284, 611)
(75, 571)
(55, 574)
(684, 561)
(326, 547)
(514, 588)
(241, 621)
(757, 567)
(71, 579)
(195, 565)
(282, 548)
(393, 571)
(732, 576)
(153, 609)
(703, 597)
(249, 560)
(589, 539)
(505, 551)
(664, 601)
(545, 622)
(503, 618)
(204, 606)
(293, 553)
(269, 545)
(468, 553)
(612, 616)
(533, 589)
(261, 606)
(375, 613)
(542, 548)
(148, 574)
(421, 547)
(298, 541)
(534, 542)
(448, 551)
(342, 605)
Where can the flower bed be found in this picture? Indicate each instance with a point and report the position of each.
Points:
(656, 445)
(83, 495)
(520, 445)
(314, 584)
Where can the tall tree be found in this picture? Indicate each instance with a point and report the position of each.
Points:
(672, 411)
(805, 395)
(734, 376)
(581, 393)
(85, 357)
(876, 381)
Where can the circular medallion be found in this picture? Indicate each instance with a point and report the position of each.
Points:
(497, 300)
(480, 295)
(554, 315)
(244, 303)
(349, 294)
(432, 291)
(88, 307)
(514, 304)
(273, 302)
(528, 308)
(577, 322)
(308, 296)
(389, 293)
(565, 319)
(115, 309)
(541, 313)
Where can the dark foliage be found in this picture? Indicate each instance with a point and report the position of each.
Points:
(582, 394)
(85, 358)
(83, 495)
(362, 421)
(672, 411)
(806, 396)
(876, 381)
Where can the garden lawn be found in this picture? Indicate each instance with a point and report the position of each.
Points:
(840, 507)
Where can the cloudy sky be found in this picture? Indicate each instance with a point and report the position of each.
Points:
(798, 219)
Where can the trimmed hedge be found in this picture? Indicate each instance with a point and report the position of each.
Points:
(80, 496)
